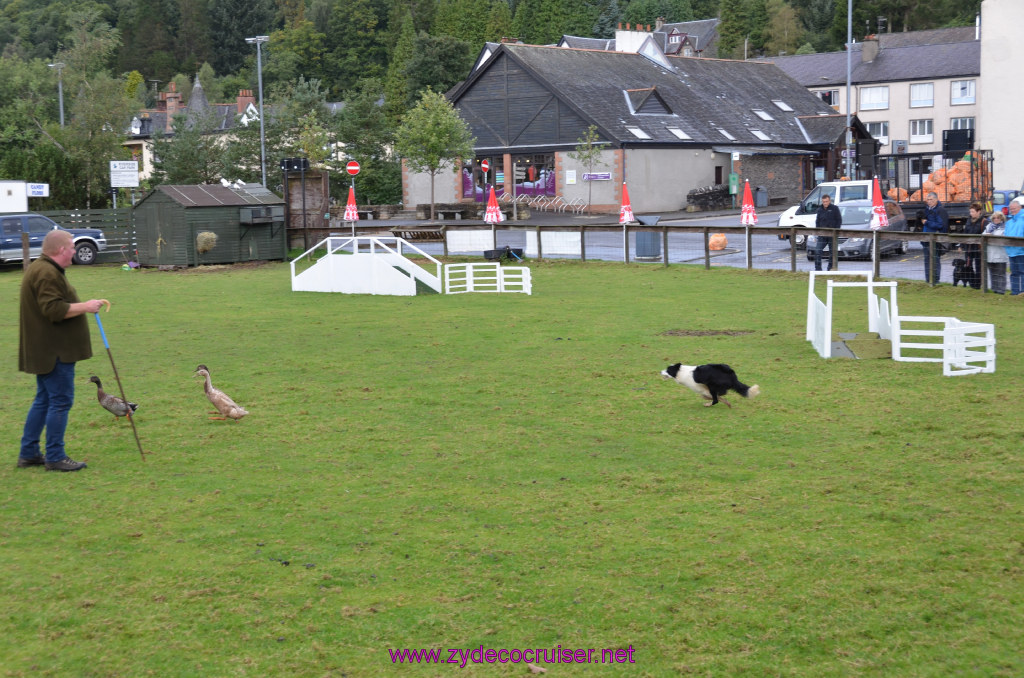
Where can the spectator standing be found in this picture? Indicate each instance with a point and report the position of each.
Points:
(1015, 229)
(935, 220)
(54, 335)
(976, 225)
(828, 217)
(996, 254)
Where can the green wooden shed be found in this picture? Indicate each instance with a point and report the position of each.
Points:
(209, 224)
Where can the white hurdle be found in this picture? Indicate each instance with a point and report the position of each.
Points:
(489, 277)
(819, 313)
(962, 347)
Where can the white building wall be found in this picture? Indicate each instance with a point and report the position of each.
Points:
(1000, 95)
(659, 179)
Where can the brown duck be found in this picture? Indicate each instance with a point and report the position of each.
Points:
(111, 403)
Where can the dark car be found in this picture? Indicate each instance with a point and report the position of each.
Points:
(857, 216)
(88, 241)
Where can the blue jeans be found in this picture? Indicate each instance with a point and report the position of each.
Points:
(820, 243)
(932, 267)
(1017, 274)
(55, 394)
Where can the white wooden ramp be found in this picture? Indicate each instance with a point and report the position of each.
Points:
(365, 265)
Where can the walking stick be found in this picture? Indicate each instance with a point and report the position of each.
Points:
(131, 419)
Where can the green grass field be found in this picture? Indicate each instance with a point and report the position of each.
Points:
(511, 472)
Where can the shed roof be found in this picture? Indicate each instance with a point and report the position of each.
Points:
(215, 195)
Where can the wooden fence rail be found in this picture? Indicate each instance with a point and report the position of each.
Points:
(117, 225)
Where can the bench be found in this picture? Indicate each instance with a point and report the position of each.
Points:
(416, 233)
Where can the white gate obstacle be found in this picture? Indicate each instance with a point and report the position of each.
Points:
(378, 265)
(961, 347)
(460, 278)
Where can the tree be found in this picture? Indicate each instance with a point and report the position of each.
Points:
(438, 63)
(194, 155)
(589, 153)
(366, 133)
(433, 137)
(783, 33)
(647, 11)
(396, 83)
(231, 22)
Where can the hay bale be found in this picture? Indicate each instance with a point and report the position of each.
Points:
(205, 241)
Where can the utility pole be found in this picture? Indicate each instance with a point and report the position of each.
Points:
(60, 88)
(259, 40)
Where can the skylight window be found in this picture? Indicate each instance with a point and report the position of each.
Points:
(764, 115)
(680, 134)
(727, 135)
(760, 135)
(639, 133)
(783, 106)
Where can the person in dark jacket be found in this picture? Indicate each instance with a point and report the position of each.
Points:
(54, 335)
(828, 217)
(935, 220)
(976, 225)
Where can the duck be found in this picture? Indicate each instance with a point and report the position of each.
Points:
(111, 403)
(227, 407)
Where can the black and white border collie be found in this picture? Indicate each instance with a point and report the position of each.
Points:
(710, 381)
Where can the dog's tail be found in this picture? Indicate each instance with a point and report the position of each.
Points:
(747, 391)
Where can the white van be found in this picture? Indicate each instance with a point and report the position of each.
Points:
(804, 214)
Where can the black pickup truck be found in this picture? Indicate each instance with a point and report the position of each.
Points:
(88, 241)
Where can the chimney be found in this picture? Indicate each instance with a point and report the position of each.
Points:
(172, 104)
(245, 98)
(659, 22)
(869, 49)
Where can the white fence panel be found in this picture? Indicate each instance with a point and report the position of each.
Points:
(488, 277)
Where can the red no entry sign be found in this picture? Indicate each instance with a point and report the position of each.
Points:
(352, 167)
(484, 165)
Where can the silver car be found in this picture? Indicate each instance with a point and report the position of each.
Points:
(857, 216)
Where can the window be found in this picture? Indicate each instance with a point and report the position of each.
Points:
(961, 123)
(961, 92)
(39, 225)
(880, 131)
(638, 133)
(922, 94)
(680, 134)
(760, 135)
(829, 96)
(764, 115)
(687, 51)
(921, 132)
(727, 135)
(874, 98)
(782, 105)
(674, 38)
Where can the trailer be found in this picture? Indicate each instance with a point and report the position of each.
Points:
(957, 178)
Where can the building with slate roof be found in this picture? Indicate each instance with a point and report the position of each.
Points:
(669, 124)
(907, 88)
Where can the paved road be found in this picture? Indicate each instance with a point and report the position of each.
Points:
(767, 251)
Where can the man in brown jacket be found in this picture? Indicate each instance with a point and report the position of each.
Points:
(54, 336)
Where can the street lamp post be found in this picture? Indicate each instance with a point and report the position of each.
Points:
(60, 88)
(259, 40)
